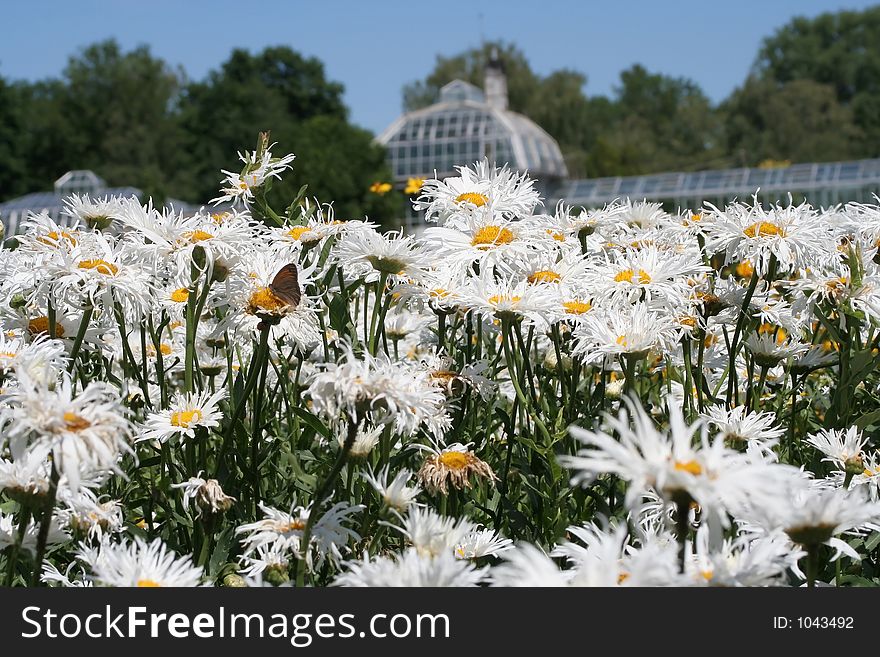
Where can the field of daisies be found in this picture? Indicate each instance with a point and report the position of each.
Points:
(516, 396)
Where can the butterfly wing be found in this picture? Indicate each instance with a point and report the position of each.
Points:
(285, 285)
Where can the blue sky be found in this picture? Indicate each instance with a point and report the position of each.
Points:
(374, 48)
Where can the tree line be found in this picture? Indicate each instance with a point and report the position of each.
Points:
(812, 94)
(135, 120)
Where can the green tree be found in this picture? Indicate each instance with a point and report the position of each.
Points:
(119, 110)
(840, 50)
(287, 94)
(13, 170)
(800, 121)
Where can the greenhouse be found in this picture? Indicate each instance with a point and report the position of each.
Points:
(14, 211)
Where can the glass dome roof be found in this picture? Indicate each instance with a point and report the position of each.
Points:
(463, 127)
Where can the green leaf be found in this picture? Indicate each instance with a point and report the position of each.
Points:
(311, 420)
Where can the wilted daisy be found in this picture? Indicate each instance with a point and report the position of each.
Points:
(455, 465)
(207, 495)
(141, 564)
(186, 413)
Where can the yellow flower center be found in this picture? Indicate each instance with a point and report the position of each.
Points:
(474, 198)
(297, 232)
(148, 584)
(576, 307)
(195, 236)
(489, 236)
(769, 329)
(439, 293)
(622, 340)
(7, 354)
(497, 299)
(744, 269)
(691, 467)
(293, 526)
(265, 299)
(165, 349)
(184, 419)
(41, 325)
(75, 422)
(180, 295)
(627, 275)
(52, 238)
(455, 460)
(764, 229)
(100, 266)
(219, 217)
(545, 276)
(559, 237)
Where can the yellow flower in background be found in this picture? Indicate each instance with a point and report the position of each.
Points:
(380, 188)
(413, 185)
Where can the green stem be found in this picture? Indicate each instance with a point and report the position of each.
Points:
(80, 334)
(322, 493)
(16, 546)
(45, 523)
(734, 344)
(252, 377)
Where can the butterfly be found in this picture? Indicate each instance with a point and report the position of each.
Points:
(285, 285)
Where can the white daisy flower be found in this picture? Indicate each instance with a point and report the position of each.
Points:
(140, 564)
(257, 170)
(411, 569)
(186, 413)
(86, 432)
(397, 494)
(475, 190)
(330, 537)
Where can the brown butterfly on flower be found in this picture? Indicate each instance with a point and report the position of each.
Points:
(285, 287)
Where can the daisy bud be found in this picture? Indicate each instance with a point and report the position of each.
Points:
(614, 389)
(220, 272)
(276, 575)
(17, 302)
(233, 581)
(99, 222)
